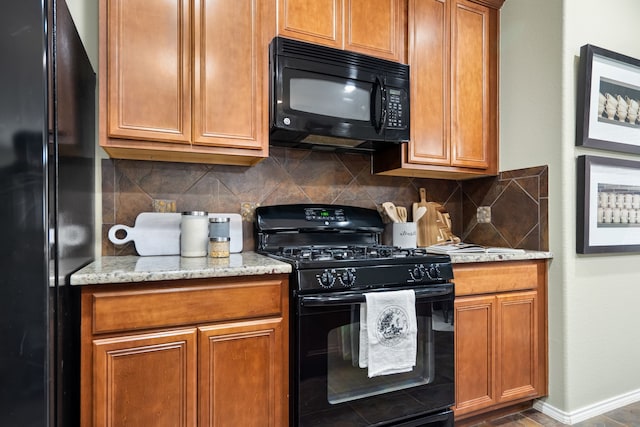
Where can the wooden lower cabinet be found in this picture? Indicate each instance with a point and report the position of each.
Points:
(153, 356)
(139, 378)
(238, 369)
(500, 335)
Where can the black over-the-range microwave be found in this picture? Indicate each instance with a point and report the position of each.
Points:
(335, 100)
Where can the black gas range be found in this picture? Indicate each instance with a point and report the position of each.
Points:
(336, 248)
(337, 259)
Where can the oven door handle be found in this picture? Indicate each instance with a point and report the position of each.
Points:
(358, 297)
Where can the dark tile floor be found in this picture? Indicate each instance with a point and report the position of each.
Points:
(628, 416)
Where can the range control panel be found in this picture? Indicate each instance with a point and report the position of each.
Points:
(341, 278)
(325, 214)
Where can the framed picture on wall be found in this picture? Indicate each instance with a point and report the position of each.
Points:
(608, 110)
(608, 209)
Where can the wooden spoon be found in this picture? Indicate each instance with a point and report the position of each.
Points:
(402, 213)
(419, 213)
(391, 211)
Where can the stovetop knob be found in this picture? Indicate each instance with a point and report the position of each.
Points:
(433, 272)
(418, 272)
(348, 277)
(327, 279)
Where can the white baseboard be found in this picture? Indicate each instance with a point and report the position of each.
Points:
(587, 412)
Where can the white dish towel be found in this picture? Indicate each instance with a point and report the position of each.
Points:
(388, 332)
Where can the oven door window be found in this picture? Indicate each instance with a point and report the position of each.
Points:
(329, 385)
(346, 381)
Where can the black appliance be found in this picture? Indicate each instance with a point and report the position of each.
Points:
(336, 100)
(47, 144)
(337, 257)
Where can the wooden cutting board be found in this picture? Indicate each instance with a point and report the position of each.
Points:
(421, 226)
(157, 233)
(435, 225)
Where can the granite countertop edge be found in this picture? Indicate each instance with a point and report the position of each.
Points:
(132, 269)
(498, 257)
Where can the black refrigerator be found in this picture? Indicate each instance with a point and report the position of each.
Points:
(47, 151)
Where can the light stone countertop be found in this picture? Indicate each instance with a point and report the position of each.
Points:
(129, 269)
(493, 257)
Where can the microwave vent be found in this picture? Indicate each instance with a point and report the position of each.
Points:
(294, 48)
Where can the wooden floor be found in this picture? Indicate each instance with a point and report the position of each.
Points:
(626, 416)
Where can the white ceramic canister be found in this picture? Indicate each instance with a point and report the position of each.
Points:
(194, 234)
(404, 234)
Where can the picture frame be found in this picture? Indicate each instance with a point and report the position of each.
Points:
(608, 105)
(608, 205)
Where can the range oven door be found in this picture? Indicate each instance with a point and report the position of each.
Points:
(329, 388)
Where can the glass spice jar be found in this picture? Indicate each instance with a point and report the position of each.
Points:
(219, 226)
(219, 247)
(219, 237)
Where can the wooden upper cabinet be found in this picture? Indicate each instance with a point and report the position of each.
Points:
(473, 127)
(230, 104)
(370, 27)
(376, 27)
(453, 55)
(148, 75)
(430, 23)
(313, 21)
(185, 80)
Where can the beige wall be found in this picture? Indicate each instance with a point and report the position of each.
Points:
(85, 16)
(594, 350)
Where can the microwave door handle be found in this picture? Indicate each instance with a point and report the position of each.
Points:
(378, 113)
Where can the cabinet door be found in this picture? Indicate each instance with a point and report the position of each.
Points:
(314, 21)
(371, 27)
(241, 375)
(473, 136)
(375, 27)
(144, 380)
(149, 70)
(230, 106)
(475, 343)
(517, 345)
(429, 28)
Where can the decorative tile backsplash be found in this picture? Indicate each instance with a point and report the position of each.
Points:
(517, 200)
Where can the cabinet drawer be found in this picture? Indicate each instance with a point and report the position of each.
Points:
(149, 306)
(482, 278)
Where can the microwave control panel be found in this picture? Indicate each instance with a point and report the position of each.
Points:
(396, 109)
